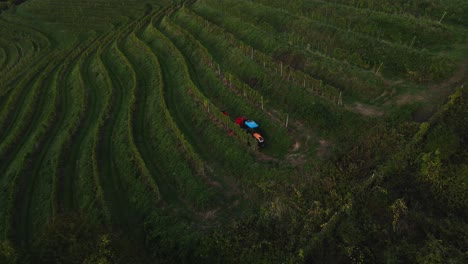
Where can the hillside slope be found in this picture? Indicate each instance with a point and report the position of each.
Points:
(118, 141)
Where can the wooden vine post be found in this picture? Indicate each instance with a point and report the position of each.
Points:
(440, 21)
(378, 69)
(281, 69)
(412, 42)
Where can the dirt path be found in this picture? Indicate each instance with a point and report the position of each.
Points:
(365, 110)
(430, 97)
(436, 94)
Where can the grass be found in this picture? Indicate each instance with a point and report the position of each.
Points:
(113, 108)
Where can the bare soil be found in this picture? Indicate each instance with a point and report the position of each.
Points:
(365, 110)
(438, 93)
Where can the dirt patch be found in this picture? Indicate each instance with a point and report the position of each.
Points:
(409, 98)
(323, 148)
(438, 93)
(296, 146)
(365, 110)
(458, 78)
(209, 215)
(296, 159)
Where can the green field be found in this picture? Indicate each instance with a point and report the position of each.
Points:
(114, 147)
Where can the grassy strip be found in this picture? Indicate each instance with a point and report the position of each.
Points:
(211, 84)
(21, 156)
(26, 67)
(184, 154)
(196, 115)
(85, 192)
(188, 149)
(19, 31)
(208, 106)
(357, 49)
(120, 173)
(75, 102)
(36, 207)
(22, 118)
(17, 96)
(411, 31)
(355, 83)
(103, 81)
(13, 57)
(140, 163)
(3, 58)
(19, 69)
(69, 159)
(100, 15)
(14, 104)
(81, 157)
(296, 101)
(430, 9)
(290, 74)
(22, 122)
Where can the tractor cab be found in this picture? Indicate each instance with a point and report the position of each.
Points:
(251, 126)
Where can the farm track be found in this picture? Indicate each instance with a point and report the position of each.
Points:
(334, 38)
(221, 81)
(171, 99)
(270, 44)
(28, 120)
(114, 184)
(23, 220)
(206, 156)
(3, 57)
(35, 64)
(21, 53)
(68, 173)
(25, 180)
(20, 94)
(128, 132)
(64, 197)
(143, 137)
(63, 133)
(352, 16)
(9, 117)
(7, 57)
(14, 77)
(10, 159)
(12, 60)
(56, 137)
(228, 66)
(182, 119)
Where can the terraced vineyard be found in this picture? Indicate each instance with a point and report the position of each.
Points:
(115, 145)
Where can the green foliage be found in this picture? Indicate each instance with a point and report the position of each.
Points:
(71, 238)
(8, 254)
(114, 149)
(355, 48)
(392, 27)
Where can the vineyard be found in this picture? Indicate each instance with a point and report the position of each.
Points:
(118, 142)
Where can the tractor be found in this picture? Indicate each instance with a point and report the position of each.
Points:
(252, 128)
